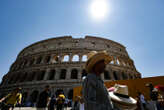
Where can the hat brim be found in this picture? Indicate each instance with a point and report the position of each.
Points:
(96, 58)
(125, 101)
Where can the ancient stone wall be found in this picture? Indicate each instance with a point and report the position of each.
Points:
(60, 62)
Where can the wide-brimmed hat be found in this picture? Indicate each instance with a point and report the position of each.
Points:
(61, 96)
(94, 57)
(120, 97)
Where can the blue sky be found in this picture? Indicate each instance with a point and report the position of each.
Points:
(137, 24)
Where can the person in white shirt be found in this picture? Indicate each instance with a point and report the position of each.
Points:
(142, 100)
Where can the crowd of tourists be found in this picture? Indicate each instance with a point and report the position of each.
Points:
(94, 94)
(44, 102)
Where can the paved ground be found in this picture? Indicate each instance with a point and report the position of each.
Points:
(33, 108)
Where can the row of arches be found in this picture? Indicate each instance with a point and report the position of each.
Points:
(114, 75)
(52, 74)
(51, 59)
(62, 74)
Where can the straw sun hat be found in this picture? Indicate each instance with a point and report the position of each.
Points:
(94, 57)
(121, 98)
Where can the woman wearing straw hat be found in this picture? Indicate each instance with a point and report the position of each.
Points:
(95, 93)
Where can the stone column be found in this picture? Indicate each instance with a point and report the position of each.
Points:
(43, 60)
(46, 74)
(36, 75)
(120, 75)
(61, 58)
(111, 74)
(70, 59)
(52, 58)
(114, 60)
(79, 75)
(128, 76)
(35, 60)
(57, 76)
(121, 64)
(109, 71)
(68, 74)
(80, 58)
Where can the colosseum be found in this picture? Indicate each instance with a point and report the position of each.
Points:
(60, 62)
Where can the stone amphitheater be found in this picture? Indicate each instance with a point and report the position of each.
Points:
(60, 62)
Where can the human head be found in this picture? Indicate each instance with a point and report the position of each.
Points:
(94, 58)
(18, 89)
(150, 85)
(47, 87)
(99, 67)
(139, 93)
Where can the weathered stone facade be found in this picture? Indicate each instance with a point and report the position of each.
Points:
(60, 61)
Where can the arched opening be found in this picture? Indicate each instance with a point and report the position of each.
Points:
(11, 79)
(34, 96)
(38, 61)
(66, 58)
(31, 62)
(106, 75)
(51, 75)
(18, 77)
(25, 63)
(112, 62)
(74, 74)
(23, 78)
(136, 76)
(115, 75)
(63, 74)
(17, 66)
(32, 76)
(55, 59)
(47, 59)
(75, 58)
(124, 76)
(131, 77)
(84, 58)
(41, 75)
(118, 62)
(70, 94)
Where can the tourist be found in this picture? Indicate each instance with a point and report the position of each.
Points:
(52, 103)
(76, 105)
(121, 99)
(44, 98)
(142, 101)
(12, 99)
(81, 100)
(95, 93)
(60, 102)
(153, 96)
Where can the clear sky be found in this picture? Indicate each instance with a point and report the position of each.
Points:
(137, 24)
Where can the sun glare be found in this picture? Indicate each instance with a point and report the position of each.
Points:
(98, 9)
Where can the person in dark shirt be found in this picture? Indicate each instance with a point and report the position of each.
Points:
(44, 98)
(60, 102)
(94, 92)
(52, 103)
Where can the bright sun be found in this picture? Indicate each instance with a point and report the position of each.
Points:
(99, 9)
